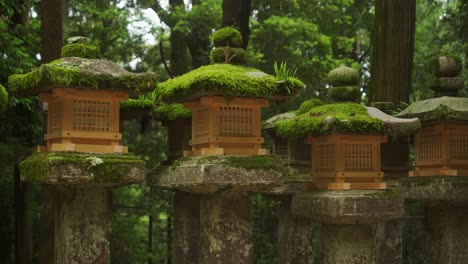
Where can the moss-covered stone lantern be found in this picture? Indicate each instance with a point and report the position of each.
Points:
(441, 146)
(345, 136)
(226, 99)
(82, 94)
(292, 152)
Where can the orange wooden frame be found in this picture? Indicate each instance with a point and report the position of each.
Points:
(441, 150)
(221, 127)
(341, 162)
(83, 121)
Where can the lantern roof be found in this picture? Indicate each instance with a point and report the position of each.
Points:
(85, 72)
(438, 109)
(306, 106)
(170, 112)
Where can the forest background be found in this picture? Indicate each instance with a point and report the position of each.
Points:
(312, 35)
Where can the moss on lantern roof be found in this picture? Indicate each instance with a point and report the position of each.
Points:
(3, 98)
(94, 168)
(224, 79)
(437, 109)
(307, 105)
(350, 118)
(91, 74)
(137, 105)
(171, 112)
(227, 36)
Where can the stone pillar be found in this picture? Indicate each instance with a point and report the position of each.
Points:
(226, 230)
(82, 225)
(295, 236)
(357, 226)
(223, 185)
(447, 240)
(186, 228)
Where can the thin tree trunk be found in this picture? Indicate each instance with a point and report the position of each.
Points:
(150, 238)
(52, 28)
(21, 15)
(237, 13)
(180, 60)
(392, 50)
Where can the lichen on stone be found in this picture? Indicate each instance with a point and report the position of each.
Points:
(174, 111)
(223, 79)
(91, 74)
(438, 109)
(3, 98)
(347, 118)
(96, 168)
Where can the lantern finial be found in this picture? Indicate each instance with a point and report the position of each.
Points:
(345, 82)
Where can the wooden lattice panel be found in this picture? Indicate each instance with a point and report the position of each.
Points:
(441, 150)
(178, 135)
(395, 158)
(83, 121)
(341, 162)
(299, 153)
(221, 127)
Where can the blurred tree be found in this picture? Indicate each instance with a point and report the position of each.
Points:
(53, 15)
(237, 13)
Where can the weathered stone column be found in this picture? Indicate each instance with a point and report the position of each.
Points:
(76, 213)
(446, 201)
(357, 226)
(222, 184)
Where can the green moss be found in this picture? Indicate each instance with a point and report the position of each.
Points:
(228, 55)
(104, 168)
(81, 50)
(306, 106)
(345, 93)
(65, 73)
(256, 162)
(343, 76)
(171, 112)
(227, 36)
(222, 79)
(136, 105)
(3, 98)
(348, 118)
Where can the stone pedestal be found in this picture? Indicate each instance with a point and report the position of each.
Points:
(221, 185)
(446, 202)
(357, 226)
(76, 202)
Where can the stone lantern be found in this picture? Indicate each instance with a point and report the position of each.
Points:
(82, 95)
(441, 146)
(345, 136)
(83, 159)
(226, 99)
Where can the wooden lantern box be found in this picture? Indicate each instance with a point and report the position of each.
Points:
(341, 162)
(294, 153)
(83, 121)
(441, 150)
(179, 132)
(221, 127)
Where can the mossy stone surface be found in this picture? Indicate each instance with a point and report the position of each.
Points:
(438, 109)
(345, 93)
(227, 36)
(169, 112)
(344, 118)
(228, 55)
(223, 79)
(81, 50)
(136, 105)
(85, 169)
(3, 98)
(307, 105)
(90, 74)
(343, 76)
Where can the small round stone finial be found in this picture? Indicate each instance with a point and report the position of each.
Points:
(227, 36)
(228, 42)
(343, 75)
(345, 82)
(80, 47)
(445, 66)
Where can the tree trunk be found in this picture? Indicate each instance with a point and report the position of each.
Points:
(180, 59)
(393, 47)
(52, 28)
(21, 15)
(237, 13)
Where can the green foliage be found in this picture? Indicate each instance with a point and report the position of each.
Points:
(228, 55)
(227, 36)
(345, 93)
(62, 72)
(171, 112)
(285, 76)
(306, 106)
(348, 118)
(265, 225)
(3, 98)
(81, 50)
(222, 79)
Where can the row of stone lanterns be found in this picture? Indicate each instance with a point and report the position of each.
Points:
(83, 156)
